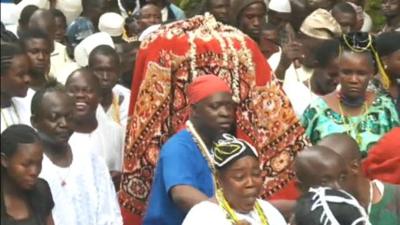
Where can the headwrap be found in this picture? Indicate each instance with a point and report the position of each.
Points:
(323, 201)
(112, 24)
(237, 6)
(229, 149)
(205, 86)
(320, 24)
(383, 160)
(83, 49)
(282, 6)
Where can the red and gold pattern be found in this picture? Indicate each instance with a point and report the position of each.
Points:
(159, 107)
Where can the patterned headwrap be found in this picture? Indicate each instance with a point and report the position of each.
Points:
(320, 24)
(332, 207)
(228, 149)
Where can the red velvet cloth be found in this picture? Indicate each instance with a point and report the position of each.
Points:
(160, 107)
(383, 160)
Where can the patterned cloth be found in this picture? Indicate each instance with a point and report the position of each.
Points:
(167, 62)
(319, 121)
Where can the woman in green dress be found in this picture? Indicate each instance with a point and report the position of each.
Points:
(354, 109)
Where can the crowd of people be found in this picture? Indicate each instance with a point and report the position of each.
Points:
(235, 112)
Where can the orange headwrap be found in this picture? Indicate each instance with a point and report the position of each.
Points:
(205, 86)
(383, 160)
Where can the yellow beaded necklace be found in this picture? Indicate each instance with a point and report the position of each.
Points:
(350, 127)
(231, 213)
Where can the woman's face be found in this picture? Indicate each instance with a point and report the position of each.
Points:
(15, 82)
(24, 166)
(355, 72)
(392, 63)
(241, 183)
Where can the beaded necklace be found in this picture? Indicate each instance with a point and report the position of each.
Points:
(350, 127)
(203, 150)
(231, 213)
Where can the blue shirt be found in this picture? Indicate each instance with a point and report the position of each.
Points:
(180, 163)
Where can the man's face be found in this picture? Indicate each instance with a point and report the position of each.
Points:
(216, 113)
(60, 27)
(328, 78)
(105, 68)
(149, 15)
(219, 9)
(309, 45)
(43, 20)
(251, 20)
(391, 8)
(347, 21)
(82, 88)
(54, 123)
(38, 51)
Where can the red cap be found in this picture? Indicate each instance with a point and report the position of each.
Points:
(205, 86)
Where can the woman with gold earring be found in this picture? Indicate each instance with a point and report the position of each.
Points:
(363, 114)
(388, 47)
(239, 180)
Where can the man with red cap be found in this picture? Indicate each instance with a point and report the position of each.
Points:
(184, 172)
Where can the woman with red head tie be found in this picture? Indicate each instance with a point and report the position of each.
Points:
(167, 62)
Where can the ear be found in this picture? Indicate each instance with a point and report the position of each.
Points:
(4, 160)
(355, 166)
(34, 121)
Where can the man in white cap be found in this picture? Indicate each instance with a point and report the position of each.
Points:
(83, 49)
(112, 24)
(299, 58)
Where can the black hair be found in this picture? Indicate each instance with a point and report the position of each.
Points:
(8, 52)
(129, 5)
(35, 34)
(105, 50)
(360, 42)
(7, 35)
(326, 52)
(51, 85)
(87, 73)
(388, 42)
(344, 213)
(14, 135)
(58, 13)
(344, 7)
(26, 14)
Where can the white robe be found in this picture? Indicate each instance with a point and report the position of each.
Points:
(87, 197)
(19, 112)
(106, 141)
(209, 213)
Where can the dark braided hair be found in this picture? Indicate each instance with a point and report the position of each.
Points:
(8, 52)
(362, 42)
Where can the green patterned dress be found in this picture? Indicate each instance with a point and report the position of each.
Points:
(319, 121)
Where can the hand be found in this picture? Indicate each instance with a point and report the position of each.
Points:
(293, 52)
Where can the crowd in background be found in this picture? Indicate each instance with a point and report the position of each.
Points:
(246, 112)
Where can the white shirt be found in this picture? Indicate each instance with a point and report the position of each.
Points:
(209, 213)
(83, 193)
(300, 96)
(106, 141)
(19, 112)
